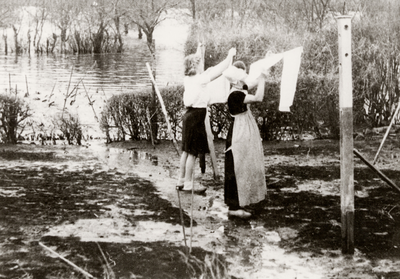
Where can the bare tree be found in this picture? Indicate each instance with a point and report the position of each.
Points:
(117, 16)
(100, 23)
(147, 15)
(193, 8)
(40, 15)
(98, 20)
(11, 16)
(315, 12)
(62, 15)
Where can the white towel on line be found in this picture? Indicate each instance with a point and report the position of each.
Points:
(218, 89)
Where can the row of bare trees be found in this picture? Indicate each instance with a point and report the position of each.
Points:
(80, 26)
(97, 26)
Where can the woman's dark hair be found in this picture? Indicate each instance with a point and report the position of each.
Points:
(239, 65)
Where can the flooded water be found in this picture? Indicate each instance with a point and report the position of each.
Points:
(111, 73)
(44, 80)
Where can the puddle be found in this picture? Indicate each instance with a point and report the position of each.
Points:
(123, 159)
(119, 230)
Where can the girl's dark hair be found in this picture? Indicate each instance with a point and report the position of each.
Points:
(239, 65)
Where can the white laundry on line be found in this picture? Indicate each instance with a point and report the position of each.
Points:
(218, 89)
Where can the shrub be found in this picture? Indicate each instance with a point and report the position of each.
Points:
(129, 114)
(173, 100)
(13, 113)
(71, 127)
(125, 114)
(376, 71)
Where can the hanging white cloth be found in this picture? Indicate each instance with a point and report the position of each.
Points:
(218, 89)
(291, 67)
(290, 72)
(261, 67)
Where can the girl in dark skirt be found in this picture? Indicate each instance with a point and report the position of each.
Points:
(195, 99)
(194, 136)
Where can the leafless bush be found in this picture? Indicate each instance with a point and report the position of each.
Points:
(13, 113)
(71, 127)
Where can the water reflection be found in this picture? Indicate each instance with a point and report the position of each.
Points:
(138, 157)
(113, 73)
(125, 159)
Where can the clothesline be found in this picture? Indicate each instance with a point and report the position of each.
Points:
(218, 89)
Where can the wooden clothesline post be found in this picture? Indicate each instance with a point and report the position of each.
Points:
(346, 134)
(210, 136)
(164, 110)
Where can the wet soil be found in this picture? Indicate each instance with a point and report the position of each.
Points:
(113, 211)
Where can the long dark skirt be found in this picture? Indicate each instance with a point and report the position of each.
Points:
(194, 136)
(231, 197)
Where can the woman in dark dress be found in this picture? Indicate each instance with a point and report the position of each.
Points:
(244, 158)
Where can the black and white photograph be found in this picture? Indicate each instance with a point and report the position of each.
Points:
(199, 139)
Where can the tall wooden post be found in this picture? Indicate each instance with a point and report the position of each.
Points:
(346, 134)
(210, 137)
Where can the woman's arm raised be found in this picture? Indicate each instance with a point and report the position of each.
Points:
(259, 96)
(216, 71)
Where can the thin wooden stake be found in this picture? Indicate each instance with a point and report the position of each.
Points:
(164, 110)
(110, 272)
(90, 102)
(67, 93)
(381, 175)
(150, 128)
(387, 133)
(210, 137)
(191, 208)
(67, 261)
(182, 221)
(52, 90)
(26, 82)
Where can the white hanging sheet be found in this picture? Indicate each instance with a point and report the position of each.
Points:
(218, 90)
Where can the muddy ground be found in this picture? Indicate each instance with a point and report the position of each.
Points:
(113, 211)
